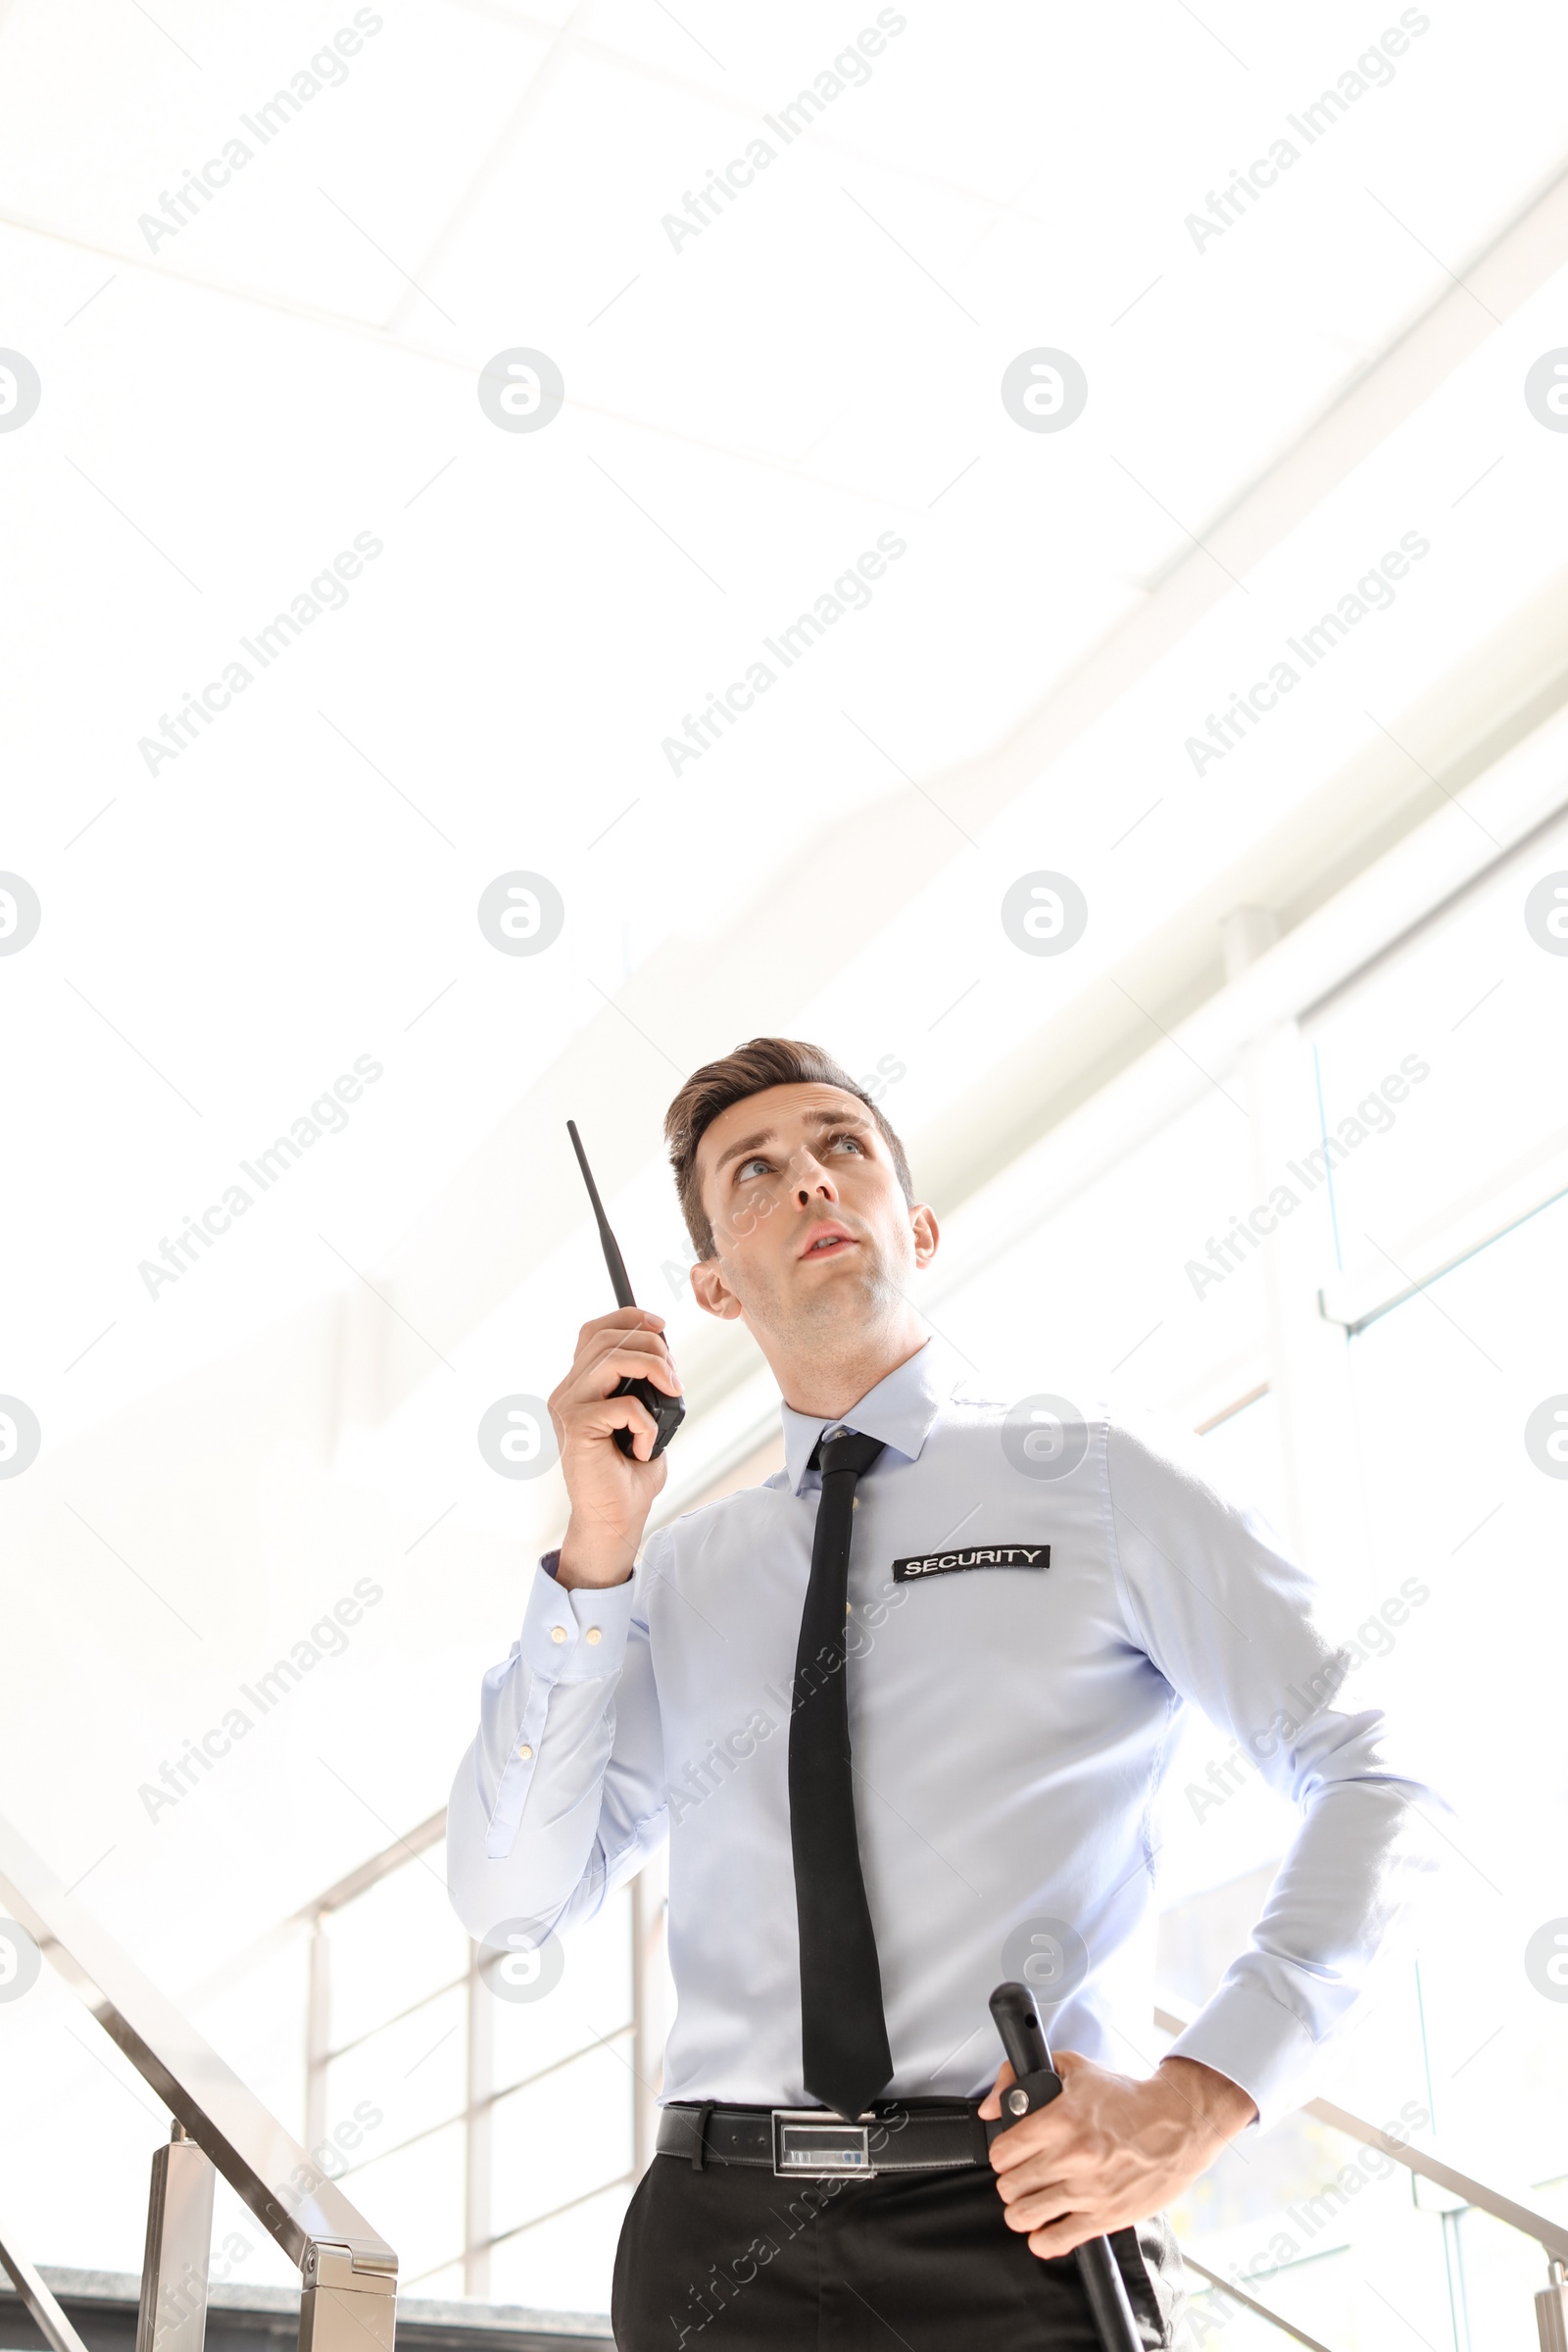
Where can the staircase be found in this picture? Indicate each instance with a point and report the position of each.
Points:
(102, 2307)
(347, 2298)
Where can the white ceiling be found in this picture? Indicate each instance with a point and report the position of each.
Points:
(743, 416)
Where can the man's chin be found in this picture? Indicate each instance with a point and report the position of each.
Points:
(855, 1283)
(858, 1288)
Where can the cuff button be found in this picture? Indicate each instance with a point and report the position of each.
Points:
(593, 1634)
(558, 1633)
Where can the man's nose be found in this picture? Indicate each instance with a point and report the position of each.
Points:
(812, 1179)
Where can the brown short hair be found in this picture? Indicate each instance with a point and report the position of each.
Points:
(761, 1062)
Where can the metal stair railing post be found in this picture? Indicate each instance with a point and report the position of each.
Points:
(172, 2315)
(348, 2273)
(1551, 2303)
(1552, 2310)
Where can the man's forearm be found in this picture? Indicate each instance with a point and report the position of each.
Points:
(543, 1785)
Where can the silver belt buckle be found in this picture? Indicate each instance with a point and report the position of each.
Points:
(809, 2146)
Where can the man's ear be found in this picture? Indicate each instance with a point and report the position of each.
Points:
(926, 1231)
(711, 1291)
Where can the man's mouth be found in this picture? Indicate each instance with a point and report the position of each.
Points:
(831, 1241)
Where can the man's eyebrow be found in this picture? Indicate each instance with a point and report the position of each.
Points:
(770, 1134)
(748, 1142)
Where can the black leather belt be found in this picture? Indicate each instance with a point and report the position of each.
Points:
(812, 2143)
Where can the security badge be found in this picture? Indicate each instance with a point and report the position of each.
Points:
(978, 1556)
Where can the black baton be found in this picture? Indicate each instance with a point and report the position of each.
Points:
(1027, 2052)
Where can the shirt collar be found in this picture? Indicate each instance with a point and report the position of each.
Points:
(899, 1410)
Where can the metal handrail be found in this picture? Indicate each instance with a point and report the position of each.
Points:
(1264, 2311)
(1550, 2236)
(335, 2249)
(305, 2213)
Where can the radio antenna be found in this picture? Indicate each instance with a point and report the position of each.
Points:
(612, 1248)
(667, 1411)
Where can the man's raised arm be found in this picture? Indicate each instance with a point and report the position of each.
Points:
(560, 1797)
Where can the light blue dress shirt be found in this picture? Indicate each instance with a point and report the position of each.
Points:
(1033, 1604)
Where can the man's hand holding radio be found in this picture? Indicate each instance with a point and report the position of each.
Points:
(610, 1492)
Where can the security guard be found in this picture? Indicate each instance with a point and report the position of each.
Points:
(903, 1712)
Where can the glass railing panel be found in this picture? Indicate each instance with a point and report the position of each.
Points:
(415, 2197)
(405, 2079)
(1332, 2233)
(1460, 1497)
(65, 2090)
(392, 1945)
(1324, 2233)
(1498, 2272)
(592, 1997)
(559, 2144)
(1214, 2323)
(566, 2264)
(258, 2026)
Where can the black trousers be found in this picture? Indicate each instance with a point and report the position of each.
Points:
(731, 2259)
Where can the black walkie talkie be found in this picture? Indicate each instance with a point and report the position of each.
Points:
(667, 1411)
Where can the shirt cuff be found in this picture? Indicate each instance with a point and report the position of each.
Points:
(550, 1561)
(576, 1634)
(1247, 2035)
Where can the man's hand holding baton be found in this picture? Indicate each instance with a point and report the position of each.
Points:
(1099, 2151)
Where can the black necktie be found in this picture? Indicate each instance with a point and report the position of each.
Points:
(844, 2035)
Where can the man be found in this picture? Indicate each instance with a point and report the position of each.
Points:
(903, 1712)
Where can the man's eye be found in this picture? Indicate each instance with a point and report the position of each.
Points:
(853, 1141)
(746, 1167)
